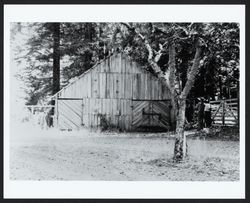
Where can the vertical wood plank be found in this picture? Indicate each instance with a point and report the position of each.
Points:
(142, 88)
(111, 90)
(102, 85)
(89, 85)
(100, 106)
(107, 65)
(128, 66)
(107, 106)
(152, 88)
(104, 106)
(146, 86)
(89, 105)
(115, 61)
(121, 86)
(156, 89)
(119, 63)
(159, 89)
(78, 88)
(107, 86)
(111, 87)
(117, 84)
(123, 64)
(84, 86)
(112, 64)
(136, 86)
(95, 84)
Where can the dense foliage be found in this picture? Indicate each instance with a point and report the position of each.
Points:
(83, 44)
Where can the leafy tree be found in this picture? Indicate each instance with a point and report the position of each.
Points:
(175, 52)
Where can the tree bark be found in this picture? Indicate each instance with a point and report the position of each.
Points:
(56, 69)
(180, 150)
(56, 58)
(171, 81)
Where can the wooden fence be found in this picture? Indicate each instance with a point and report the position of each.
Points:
(225, 112)
(38, 114)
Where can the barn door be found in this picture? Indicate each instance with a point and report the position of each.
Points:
(150, 115)
(69, 113)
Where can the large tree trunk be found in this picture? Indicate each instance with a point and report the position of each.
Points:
(56, 58)
(56, 69)
(180, 149)
(89, 33)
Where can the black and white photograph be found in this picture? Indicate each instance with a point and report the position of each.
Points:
(124, 101)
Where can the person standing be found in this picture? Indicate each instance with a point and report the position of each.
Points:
(207, 115)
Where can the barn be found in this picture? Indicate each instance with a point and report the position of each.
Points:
(116, 92)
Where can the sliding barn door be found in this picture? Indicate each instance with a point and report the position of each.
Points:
(151, 115)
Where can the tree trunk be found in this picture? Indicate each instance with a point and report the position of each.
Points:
(180, 149)
(89, 39)
(171, 81)
(56, 58)
(56, 69)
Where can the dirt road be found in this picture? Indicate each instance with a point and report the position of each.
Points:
(51, 155)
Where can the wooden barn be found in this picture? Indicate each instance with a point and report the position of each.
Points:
(118, 93)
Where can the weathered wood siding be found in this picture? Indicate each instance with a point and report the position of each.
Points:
(109, 88)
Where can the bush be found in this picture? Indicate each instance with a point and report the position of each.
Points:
(105, 124)
(223, 132)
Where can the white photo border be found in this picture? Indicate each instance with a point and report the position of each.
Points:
(123, 13)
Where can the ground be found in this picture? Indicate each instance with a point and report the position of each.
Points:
(83, 155)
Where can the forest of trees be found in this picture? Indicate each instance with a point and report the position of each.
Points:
(193, 59)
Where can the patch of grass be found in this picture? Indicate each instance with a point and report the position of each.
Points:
(218, 133)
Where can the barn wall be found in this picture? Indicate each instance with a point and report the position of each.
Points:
(117, 78)
(116, 112)
(109, 88)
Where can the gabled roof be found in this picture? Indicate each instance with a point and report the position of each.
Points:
(80, 76)
(92, 68)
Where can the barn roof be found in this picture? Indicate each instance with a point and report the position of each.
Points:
(93, 67)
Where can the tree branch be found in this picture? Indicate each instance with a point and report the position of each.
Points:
(193, 71)
(171, 66)
(171, 74)
(151, 61)
(127, 25)
(159, 53)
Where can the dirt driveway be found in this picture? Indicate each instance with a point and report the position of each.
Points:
(52, 155)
